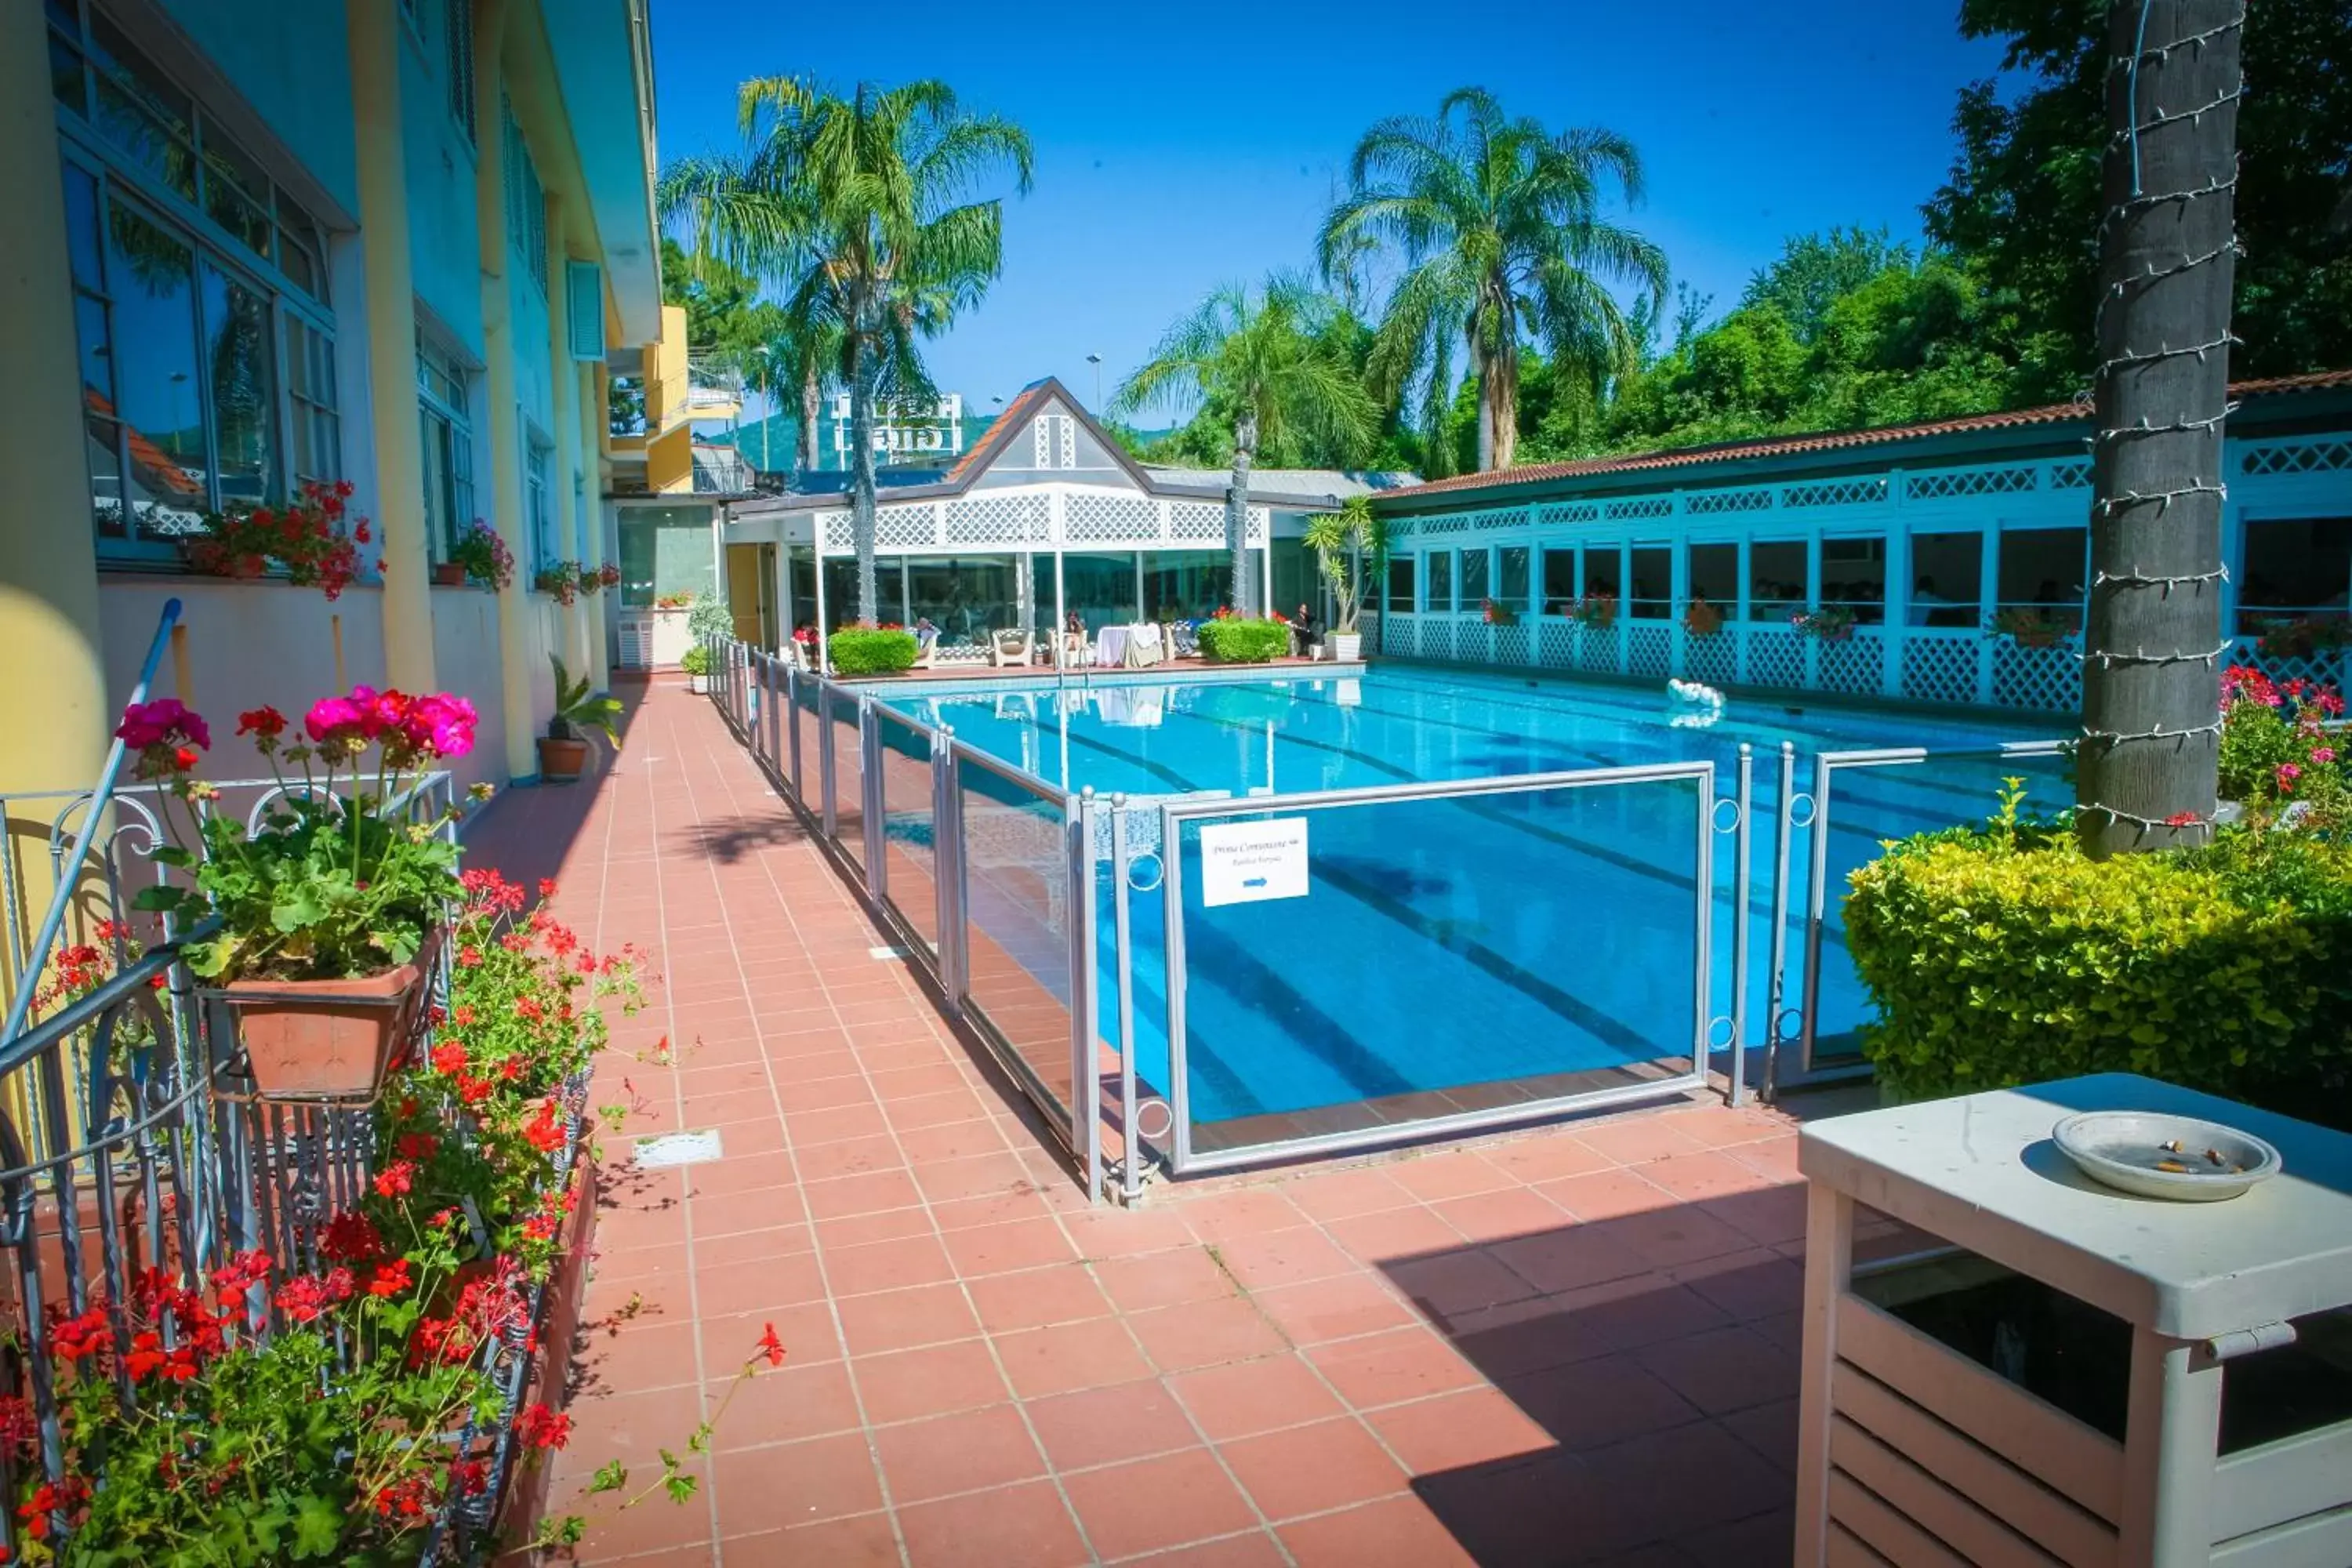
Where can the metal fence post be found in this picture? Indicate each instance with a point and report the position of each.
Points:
(1776, 976)
(869, 796)
(1086, 1062)
(824, 754)
(959, 983)
(1131, 1164)
(768, 664)
(792, 733)
(947, 856)
(1739, 891)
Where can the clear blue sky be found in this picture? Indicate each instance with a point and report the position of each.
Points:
(1177, 147)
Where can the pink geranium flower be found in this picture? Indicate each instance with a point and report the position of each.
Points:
(166, 722)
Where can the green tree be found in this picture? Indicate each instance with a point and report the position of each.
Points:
(1500, 228)
(2023, 199)
(1265, 361)
(864, 208)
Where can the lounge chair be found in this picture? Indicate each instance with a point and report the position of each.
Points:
(1184, 639)
(1008, 649)
(927, 643)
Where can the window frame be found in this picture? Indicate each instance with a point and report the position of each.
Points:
(538, 498)
(444, 405)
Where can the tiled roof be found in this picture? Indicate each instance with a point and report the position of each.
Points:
(1024, 403)
(1289, 481)
(1834, 440)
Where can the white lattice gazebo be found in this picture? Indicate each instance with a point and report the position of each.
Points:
(1044, 517)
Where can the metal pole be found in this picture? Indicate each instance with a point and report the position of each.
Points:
(824, 754)
(1086, 1064)
(37, 957)
(1816, 899)
(1775, 982)
(1172, 914)
(793, 734)
(1740, 889)
(817, 556)
(959, 983)
(1131, 1165)
(869, 796)
(946, 855)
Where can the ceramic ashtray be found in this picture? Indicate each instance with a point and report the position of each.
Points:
(2156, 1156)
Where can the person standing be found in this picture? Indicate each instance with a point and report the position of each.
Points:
(1302, 631)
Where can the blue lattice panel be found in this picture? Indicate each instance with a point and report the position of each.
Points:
(1398, 636)
(1596, 650)
(1776, 657)
(2327, 668)
(2049, 679)
(1555, 647)
(1941, 668)
(1512, 644)
(1650, 649)
(1854, 665)
(1714, 658)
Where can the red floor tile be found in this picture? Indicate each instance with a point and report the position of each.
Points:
(1309, 1470)
(1153, 1504)
(1385, 1369)
(1109, 1426)
(904, 1385)
(1163, 1279)
(1249, 1397)
(1398, 1532)
(1070, 1356)
(944, 1455)
(1012, 1527)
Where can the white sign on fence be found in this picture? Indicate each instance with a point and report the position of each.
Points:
(1245, 862)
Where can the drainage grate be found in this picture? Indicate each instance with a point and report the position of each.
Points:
(677, 1149)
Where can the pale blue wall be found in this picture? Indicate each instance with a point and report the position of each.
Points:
(292, 64)
(443, 245)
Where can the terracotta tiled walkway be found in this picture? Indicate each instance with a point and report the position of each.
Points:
(1575, 1345)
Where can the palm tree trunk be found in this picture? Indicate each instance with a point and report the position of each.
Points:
(2145, 777)
(861, 515)
(1506, 405)
(812, 407)
(1244, 594)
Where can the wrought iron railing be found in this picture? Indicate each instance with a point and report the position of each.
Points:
(133, 1138)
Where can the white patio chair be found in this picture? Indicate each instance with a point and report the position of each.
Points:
(1008, 649)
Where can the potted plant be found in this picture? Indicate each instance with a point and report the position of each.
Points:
(696, 662)
(329, 909)
(2028, 625)
(1495, 615)
(1700, 618)
(482, 555)
(563, 750)
(1830, 623)
(305, 537)
(1341, 541)
(1594, 612)
(2302, 638)
(597, 579)
(560, 582)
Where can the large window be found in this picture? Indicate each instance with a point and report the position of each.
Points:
(1400, 584)
(538, 502)
(461, 64)
(1715, 577)
(966, 596)
(1189, 584)
(1473, 590)
(1512, 587)
(2296, 568)
(1853, 574)
(1776, 579)
(2044, 569)
(526, 201)
(1601, 571)
(447, 427)
(1441, 579)
(1559, 581)
(208, 363)
(1947, 569)
(1654, 584)
(1099, 589)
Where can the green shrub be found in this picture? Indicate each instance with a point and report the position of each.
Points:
(2006, 956)
(1237, 641)
(695, 660)
(863, 650)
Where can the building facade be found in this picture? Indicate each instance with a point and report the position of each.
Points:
(1946, 563)
(389, 243)
(1044, 517)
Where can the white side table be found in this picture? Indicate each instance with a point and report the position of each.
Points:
(1957, 1411)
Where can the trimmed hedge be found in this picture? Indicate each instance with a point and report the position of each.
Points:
(2006, 956)
(695, 660)
(864, 650)
(1237, 641)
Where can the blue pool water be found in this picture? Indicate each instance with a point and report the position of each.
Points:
(1484, 946)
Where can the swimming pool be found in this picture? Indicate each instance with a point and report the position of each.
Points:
(1455, 953)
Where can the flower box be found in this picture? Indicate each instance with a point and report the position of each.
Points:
(326, 1039)
(550, 1361)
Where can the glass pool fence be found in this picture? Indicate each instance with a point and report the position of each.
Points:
(1206, 982)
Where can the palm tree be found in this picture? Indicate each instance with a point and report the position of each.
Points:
(796, 357)
(1265, 359)
(858, 207)
(1500, 228)
(2145, 770)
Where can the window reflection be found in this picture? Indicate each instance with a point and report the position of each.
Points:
(238, 355)
(158, 379)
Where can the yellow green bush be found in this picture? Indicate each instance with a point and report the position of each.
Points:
(2005, 955)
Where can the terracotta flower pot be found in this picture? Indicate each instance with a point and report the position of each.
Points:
(560, 761)
(449, 575)
(325, 1040)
